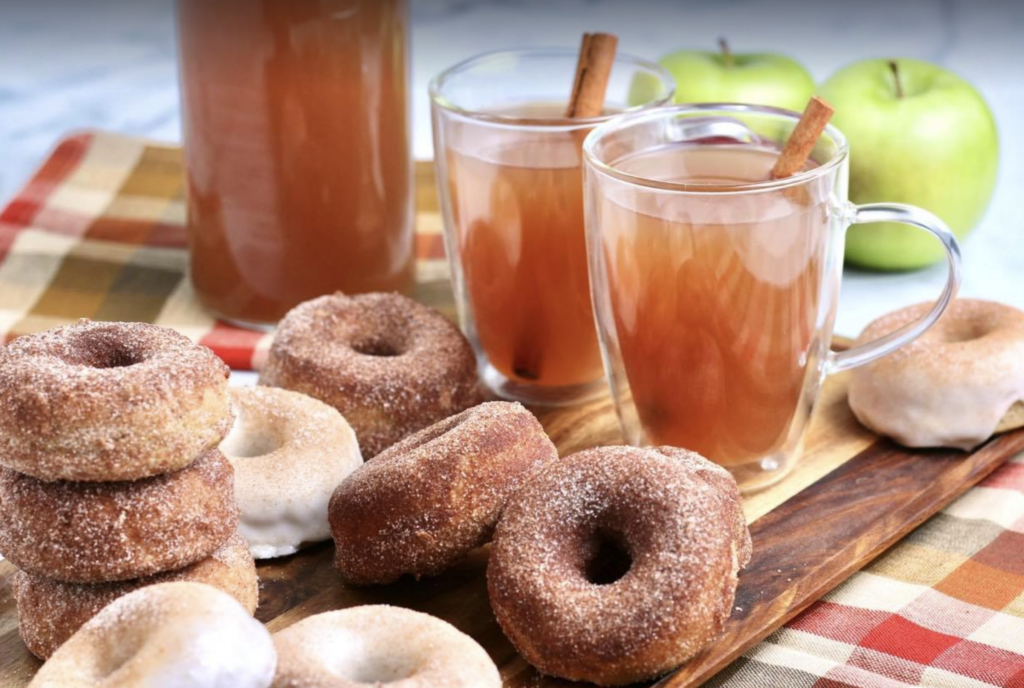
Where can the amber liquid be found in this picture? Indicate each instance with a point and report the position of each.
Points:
(518, 212)
(296, 151)
(715, 300)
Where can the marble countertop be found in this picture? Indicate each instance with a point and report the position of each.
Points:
(110, 64)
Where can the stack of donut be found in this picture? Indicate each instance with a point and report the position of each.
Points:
(110, 476)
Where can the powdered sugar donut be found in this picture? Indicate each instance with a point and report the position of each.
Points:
(289, 452)
(955, 386)
(170, 635)
(50, 611)
(102, 401)
(617, 564)
(376, 645)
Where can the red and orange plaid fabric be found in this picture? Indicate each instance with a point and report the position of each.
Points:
(98, 232)
(944, 608)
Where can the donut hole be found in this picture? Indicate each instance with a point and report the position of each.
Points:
(118, 650)
(370, 659)
(377, 347)
(375, 672)
(103, 353)
(248, 439)
(965, 331)
(119, 358)
(246, 445)
(608, 558)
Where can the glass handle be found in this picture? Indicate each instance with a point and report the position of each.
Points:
(922, 219)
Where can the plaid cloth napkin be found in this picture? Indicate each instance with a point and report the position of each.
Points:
(943, 608)
(98, 233)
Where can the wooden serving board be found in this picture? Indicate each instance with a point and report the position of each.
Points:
(851, 496)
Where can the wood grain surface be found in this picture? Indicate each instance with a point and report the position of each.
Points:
(815, 540)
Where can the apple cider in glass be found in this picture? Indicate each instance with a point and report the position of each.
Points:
(511, 186)
(715, 278)
(517, 212)
(715, 303)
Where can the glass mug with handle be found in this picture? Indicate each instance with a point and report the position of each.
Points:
(715, 287)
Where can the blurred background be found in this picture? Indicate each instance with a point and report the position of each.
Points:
(111, 64)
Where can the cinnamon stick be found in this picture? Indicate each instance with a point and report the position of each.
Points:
(803, 137)
(597, 53)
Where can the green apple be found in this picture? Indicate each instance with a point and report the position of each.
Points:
(918, 134)
(723, 77)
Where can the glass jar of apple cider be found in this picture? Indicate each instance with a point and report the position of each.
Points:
(297, 155)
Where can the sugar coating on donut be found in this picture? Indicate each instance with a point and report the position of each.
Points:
(97, 532)
(378, 645)
(50, 611)
(171, 635)
(108, 401)
(423, 504)
(950, 387)
(289, 452)
(389, 365)
(617, 564)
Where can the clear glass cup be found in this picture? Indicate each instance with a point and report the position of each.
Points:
(714, 290)
(511, 189)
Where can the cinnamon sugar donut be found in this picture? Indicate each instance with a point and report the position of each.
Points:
(378, 645)
(105, 401)
(424, 503)
(49, 611)
(97, 532)
(391, 366)
(289, 452)
(168, 635)
(617, 564)
(955, 386)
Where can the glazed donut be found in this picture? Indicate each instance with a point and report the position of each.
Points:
(380, 645)
(955, 386)
(289, 452)
(49, 611)
(168, 635)
(617, 564)
(389, 365)
(98, 532)
(424, 503)
(105, 402)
